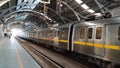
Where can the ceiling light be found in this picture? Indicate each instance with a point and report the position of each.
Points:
(89, 23)
(85, 6)
(91, 11)
(79, 1)
(25, 0)
(98, 14)
(3, 2)
(61, 5)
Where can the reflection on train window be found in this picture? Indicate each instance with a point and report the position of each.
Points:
(119, 34)
(62, 34)
(90, 31)
(82, 32)
(98, 32)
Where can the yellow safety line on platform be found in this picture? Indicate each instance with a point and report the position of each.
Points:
(19, 59)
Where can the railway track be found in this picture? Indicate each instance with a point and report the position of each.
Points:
(43, 60)
(63, 60)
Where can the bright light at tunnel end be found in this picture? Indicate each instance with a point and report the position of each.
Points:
(15, 32)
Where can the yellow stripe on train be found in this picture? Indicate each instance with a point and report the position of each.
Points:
(63, 41)
(80, 43)
(98, 45)
(115, 47)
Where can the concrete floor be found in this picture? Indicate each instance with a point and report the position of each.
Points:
(12, 55)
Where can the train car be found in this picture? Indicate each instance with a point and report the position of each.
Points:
(58, 37)
(63, 37)
(46, 36)
(99, 39)
(41, 36)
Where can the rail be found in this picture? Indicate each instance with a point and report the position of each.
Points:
(46, 59)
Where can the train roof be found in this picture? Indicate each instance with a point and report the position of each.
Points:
(108, 21)
(101, 22)
(65, 25)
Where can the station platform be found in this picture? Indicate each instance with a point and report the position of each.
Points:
(13, 55)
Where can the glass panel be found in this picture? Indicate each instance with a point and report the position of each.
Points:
(82, 32)
(98, 32)
(90, 31)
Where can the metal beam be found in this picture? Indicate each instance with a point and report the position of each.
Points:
(71, 9)
(2, 14)
(100, 6)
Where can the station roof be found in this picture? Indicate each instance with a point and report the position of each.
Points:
(44, 14)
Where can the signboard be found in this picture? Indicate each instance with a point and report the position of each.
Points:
(45, 1)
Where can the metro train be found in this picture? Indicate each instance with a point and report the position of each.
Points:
(98, 40)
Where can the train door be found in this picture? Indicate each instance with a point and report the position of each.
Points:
(90, 40)
(112, 42)
(79, 39)
(98, 41)
(63, 38)
(83, 39)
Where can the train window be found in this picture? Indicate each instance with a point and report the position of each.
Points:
(90, 31)
(98, 32)
(62, 34)
(82, 33)
(119, 34)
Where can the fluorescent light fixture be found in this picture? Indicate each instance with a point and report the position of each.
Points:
(79, 1)
(45, 1)
(3, 2)
(89, 23)
(61, 5)
(25, 0)
(91, 11)
(98, 14)
(85, 6)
